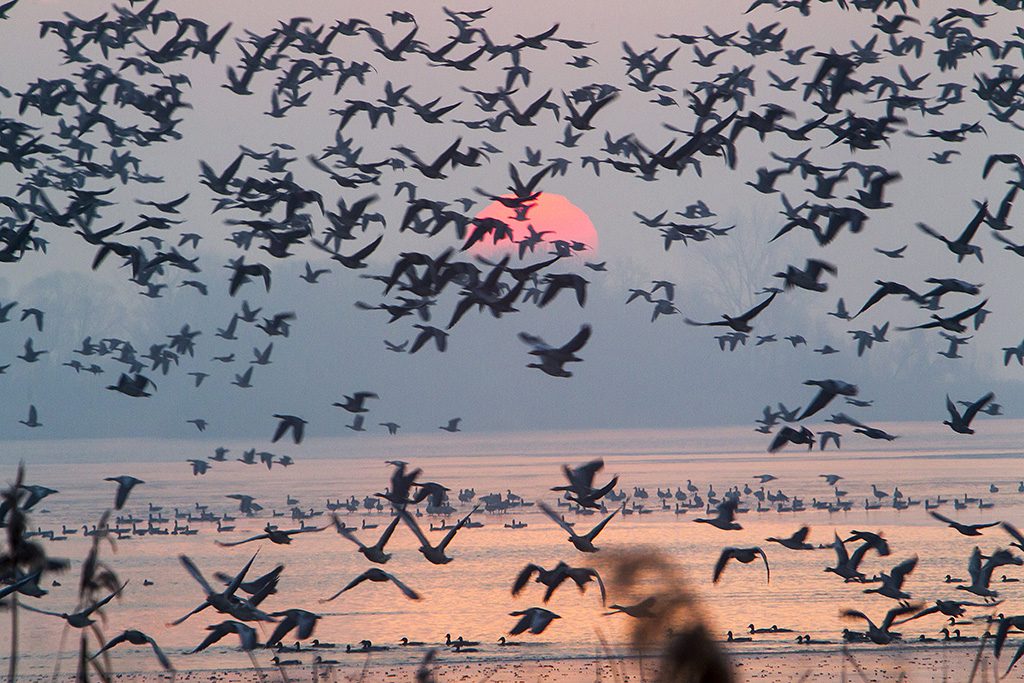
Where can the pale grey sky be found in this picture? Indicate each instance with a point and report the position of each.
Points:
(635, 373)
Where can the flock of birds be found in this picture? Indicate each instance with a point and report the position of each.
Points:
(239, 597)
(80, 143)
(125, 62)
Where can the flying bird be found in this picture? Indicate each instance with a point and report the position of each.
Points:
(296, 425)
(585, 542)
(553, 358)
(744, 555)
(961, 424)
(740, 323)
(125, 484)
(379, 576)
(135, 637)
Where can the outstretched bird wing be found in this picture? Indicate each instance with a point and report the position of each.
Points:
(942, 518)
(524, 578)
(451, 534)
(602, 524)
(556, 519)
(976, 406)
(767, 569)
(409, 592)
(752, 313)
(196, 574)
(954, 414)
(899, 572)
(577, 342)
(723, 559)
(415, 528)
(232, 544)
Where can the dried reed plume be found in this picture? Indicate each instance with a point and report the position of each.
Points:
(671, 621)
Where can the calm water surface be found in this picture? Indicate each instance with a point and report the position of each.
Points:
(471, 596)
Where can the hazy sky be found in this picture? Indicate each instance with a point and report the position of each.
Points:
(635, 373)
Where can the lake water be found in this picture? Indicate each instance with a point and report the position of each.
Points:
(471, 595)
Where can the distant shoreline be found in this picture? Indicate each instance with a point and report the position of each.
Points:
(918, 440)
(917, 662)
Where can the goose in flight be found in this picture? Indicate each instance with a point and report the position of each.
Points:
(949, 608)
(30, 355)
(1005, 624)
(787, 434)
(964, 529)
(744, 555)
(641, 610)
(840, 311)
(262, 357)
(887, 288)
(892, 253)
(962, 246)
(199, 466)
(953, 323)
(247, 505)
(581, 479)
(435, 554)
(554, 578)
(277, 536)
(452, 426)
(535, 620)
(875, 433)
(892, 583)
(135, 386)
(553, 358)
(261, 585)
(354, 261)
(584, 543)
(226, 601)
(83, 617)
(244, 380)
(29, 582)
(981, 574)
(1018, 538)
(961, 424)
(379, 576)
(740, 323)
(428, 332)
(136, 638)
(356, 403)
(1013, 352)
(880, 634)
(726, 517)
(33, 418)
(246, 635)
(35, 314)
(36, 493)
(312, 276)
(374, 553)
(798, 541)
(828, 389)
(809, 278)
(848, 566)
(826, 436)
(876, 541)
(289, 422)
(125, 484)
